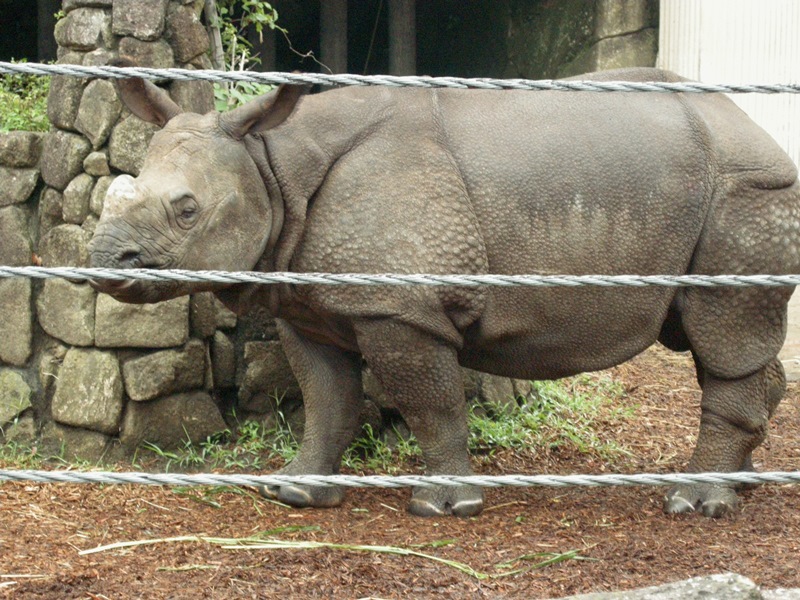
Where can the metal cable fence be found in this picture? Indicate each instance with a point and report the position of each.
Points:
(111, 72)
(397, 279)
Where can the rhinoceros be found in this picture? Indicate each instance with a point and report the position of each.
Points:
(376, 179)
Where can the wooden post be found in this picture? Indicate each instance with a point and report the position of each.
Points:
(333, 35)
(212, 26)
(402, 37)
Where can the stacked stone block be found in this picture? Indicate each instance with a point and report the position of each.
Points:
(19, 178)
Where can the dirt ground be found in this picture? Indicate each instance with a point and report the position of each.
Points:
(619, 537)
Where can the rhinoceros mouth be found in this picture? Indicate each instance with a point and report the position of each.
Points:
(111, 286)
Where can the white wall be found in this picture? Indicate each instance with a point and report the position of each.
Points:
(739, 41)
(743, 41)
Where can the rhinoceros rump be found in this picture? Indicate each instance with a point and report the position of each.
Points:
(376, 180)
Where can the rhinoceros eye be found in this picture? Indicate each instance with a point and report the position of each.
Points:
(186, 211)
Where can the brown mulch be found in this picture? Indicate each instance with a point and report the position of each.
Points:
(623, 539)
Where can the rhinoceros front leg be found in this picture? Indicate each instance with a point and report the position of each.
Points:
(421, 376)
(333, 398)
(734, 421)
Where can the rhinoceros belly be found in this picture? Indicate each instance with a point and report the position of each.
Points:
(553, 333)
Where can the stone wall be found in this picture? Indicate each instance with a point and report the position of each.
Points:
(547, 40)
(83, 369)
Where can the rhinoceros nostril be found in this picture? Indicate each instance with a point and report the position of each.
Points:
(130, 258)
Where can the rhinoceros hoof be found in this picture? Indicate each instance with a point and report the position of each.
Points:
(303, 496)
(437, 502)
(712, 500)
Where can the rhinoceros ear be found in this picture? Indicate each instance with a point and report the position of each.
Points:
(145, 99)
(265, 112)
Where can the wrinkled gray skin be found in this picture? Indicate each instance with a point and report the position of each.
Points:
(376, 180)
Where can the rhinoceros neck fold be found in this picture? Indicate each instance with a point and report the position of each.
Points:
(299, 155)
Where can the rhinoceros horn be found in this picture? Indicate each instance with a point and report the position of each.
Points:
(262, 113)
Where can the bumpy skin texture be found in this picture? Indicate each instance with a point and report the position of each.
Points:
(441, 181)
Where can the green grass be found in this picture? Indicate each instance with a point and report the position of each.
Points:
(23, 103)
(568, 414)
(565, 413)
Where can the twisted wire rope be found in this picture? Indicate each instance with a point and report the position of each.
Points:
(486, 83)
(399, 481)
(399, 279)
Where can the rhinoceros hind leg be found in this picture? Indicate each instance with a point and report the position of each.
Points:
(734, 421)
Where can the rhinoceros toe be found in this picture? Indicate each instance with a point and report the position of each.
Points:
(302, 496)
(436, 502)
(713, 501)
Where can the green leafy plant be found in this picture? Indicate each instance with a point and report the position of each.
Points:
(233, 20)
(23, 103)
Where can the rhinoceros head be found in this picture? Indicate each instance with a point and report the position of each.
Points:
(199, 201)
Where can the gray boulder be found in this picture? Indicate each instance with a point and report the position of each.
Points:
(64, 100)
(65, 246)
(203, 315)
(98, 112)
(99, 194)
(169, 422)
(76, 444)
(622, 18)
(17, 185)
(126, 143)
(160, 325)
(186, 33)
(143, 19)
(167, 372)
(73, 4)
(50, 361)
(781, 594)
(89, 391)
(16, 326)
(75, 205)
(267, 377)
(727, 586)
(51, 206)
(223, 361)
(193, 96)
(62, 157)
(96, 164)
(85, 29)
(21, 430)
(15, 395)
(157, 55)
(20, 148)
(66, 311)
(15, 243)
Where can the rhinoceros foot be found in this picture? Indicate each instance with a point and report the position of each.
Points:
(302, 496)
(435, 502)
(712, 500)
